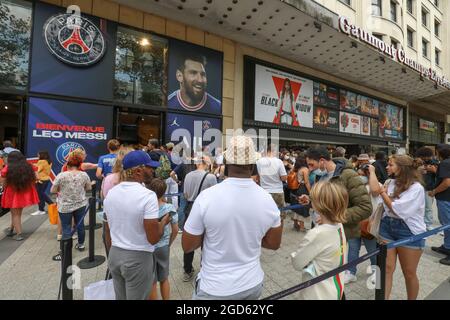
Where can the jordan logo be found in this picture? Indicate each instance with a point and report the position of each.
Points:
(175, 123)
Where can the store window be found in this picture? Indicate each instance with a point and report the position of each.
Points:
(376, 8)
(15, 35)
(140, 76)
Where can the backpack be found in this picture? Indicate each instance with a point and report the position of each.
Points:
(292, 181)
(164, 169)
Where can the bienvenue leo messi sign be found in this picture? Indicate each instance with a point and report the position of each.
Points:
(283, 98)
(396, 54)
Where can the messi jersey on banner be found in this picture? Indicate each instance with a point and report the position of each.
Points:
(209, 104)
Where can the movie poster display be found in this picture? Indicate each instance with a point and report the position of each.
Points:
(326, 119)
(195, 78)
(283, 98)
(349, 123)
(369, 106)
(60, 127)
(365, 126)
(325, 96)
(391, 121)
(349, 101)
(374, 127)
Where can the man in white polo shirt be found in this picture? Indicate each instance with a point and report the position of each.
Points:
(132, 212)
(233, 220)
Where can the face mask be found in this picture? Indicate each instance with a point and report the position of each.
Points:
(319, 172)
(365, 180)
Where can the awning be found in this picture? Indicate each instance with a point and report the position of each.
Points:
(302, 31)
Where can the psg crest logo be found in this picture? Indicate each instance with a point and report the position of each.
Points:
(62, 153)
(74, 39)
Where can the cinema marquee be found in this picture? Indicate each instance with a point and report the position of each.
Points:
(396, 54)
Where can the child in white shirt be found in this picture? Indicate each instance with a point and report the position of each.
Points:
(324, 247)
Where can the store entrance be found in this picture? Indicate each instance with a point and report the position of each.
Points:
(10, 120)
(135, 128)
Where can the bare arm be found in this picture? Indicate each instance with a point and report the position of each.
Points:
(154, 229)
(98, 173)
(174, 233)
(108, 241)
(306, 179)
(190, 242)
(445, 184)
(272, 239)
(283, 178)
(88, 166)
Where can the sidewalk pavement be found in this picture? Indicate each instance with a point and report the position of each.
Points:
(28, 272)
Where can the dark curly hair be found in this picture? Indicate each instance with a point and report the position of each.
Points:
(20, 175)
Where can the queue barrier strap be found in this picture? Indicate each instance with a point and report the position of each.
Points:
(355, 262)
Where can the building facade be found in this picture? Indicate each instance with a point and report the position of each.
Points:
(131, 82)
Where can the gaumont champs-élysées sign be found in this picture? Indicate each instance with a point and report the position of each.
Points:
(396, 54)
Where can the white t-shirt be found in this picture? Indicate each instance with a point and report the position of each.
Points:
(410, 207)
(270, 171)
(234, 215)
(126, 206)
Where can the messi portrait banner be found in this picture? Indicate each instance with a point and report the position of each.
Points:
(195, 78)
(60, 127)
(283, 98)
(196, 126)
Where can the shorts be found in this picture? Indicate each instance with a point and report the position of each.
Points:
(161, 255)
(392, 229)
(279, 199)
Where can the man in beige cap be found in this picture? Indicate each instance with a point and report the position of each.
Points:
(233, 220)
(363, 159)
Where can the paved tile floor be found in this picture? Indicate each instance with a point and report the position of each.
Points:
(29, 272)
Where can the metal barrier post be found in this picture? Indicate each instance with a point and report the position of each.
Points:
(66, 262)
(380, 291)
(92, 260)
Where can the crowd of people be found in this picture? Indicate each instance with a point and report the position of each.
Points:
(230, 205)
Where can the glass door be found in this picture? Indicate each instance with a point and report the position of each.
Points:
(136, 128)
(11, 120)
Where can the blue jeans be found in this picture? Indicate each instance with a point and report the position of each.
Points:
(428, 210)
(183, 203)
(66, 224)
(444, 219)
(43, 196)
(354, 245)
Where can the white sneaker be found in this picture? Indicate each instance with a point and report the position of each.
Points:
(59, 237)
(348, 277)
(74, 237)
(37, 213)
(373, 278)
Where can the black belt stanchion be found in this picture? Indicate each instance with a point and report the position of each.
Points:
(94, 195)
(66, 263)
(380, 291)
(92, 260)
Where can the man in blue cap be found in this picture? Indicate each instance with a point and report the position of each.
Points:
(132, 221)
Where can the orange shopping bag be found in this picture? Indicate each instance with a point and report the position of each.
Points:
(53, 213)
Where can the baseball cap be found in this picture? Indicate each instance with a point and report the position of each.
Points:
(138, 158)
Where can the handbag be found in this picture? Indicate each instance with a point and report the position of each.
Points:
(375, 220)
(3, 211)
(101, 290)
(53, 213)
